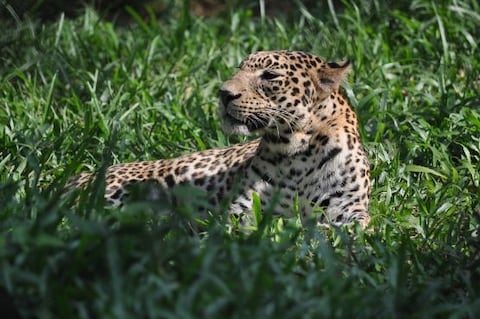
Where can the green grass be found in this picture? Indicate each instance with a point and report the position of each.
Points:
(79, 94)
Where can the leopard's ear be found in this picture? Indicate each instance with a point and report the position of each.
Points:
(333, 74)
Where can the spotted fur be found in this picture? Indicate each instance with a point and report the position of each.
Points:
(309, 147)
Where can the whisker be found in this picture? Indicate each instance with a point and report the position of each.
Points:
(288, 118)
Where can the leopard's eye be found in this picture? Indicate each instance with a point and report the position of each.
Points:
(269, 75)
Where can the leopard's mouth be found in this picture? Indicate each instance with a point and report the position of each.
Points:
(253, 123)
(233, 120)
(237, 122)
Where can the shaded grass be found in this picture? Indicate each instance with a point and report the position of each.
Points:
(81, 94)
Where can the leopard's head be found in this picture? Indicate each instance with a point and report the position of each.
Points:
(277, 91)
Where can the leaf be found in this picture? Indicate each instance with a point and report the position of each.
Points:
(423, 169)
(257, 208)
(49, 241)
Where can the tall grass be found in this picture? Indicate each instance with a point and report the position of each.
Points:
(82, 93)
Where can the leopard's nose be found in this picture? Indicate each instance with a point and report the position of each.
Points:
(227, 96)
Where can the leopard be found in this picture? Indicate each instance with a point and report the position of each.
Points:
(306, 157)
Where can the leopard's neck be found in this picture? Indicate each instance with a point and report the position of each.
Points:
(286, 144)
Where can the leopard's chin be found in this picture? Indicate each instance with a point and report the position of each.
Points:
(231, 125)
(233, 120)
